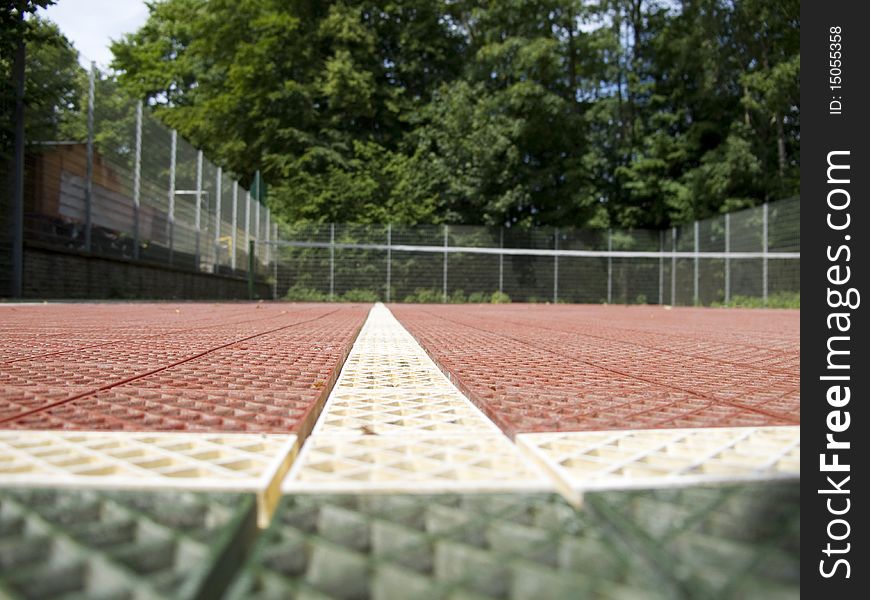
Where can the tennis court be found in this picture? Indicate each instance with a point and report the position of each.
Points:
(326, 450)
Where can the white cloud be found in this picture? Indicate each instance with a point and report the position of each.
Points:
(92, 24)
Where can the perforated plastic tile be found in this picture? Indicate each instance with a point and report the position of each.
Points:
(582, 368)
(401, 412)
(401, 366)
(412, 463)
(585, 461)
(698, 543)
(394, 422)
(388, 385)
(134, 545)
(189, 461)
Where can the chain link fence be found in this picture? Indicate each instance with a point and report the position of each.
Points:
(127, 187)
(751, 256)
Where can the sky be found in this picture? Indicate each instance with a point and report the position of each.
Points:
(92, 24)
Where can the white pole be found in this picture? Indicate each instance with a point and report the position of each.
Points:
(234, 232)
(268, 252)
(332, 261)
(610, 267)
(556, 267)
(171, 222)
(389, 257)
(661, 267)
(137, 179)
(764, 224)
(275, 263)
(257, 218)
(444, 280)
(248, 224)
(197, 219)
(727, 258)
(501, 260)
(696, 275)
(673, 266)
(217, 219)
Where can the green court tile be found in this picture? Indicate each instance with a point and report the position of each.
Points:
(125, 545)
(733, 541)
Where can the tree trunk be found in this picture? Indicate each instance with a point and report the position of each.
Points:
(780, 143)
(572, 61)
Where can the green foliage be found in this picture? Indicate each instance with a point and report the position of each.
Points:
(777, 300)
(424, 296)
(53, 79)
(499, 298)
(300, 293)
(529, 112)
(360, 296)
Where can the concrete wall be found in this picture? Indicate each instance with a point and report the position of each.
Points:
(64, 274)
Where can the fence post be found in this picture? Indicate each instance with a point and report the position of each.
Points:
(257, 217)
(556, 267)
(274, 257)
(501, 260)
(444, 278)
(171, 222)
(332, 261)
(248, 224)
(234, 233)
(727, 258)
(18, 74)
(137, 179)
(389, 258)
(609, 266)
(661, 266)
(268, 253)
(198, 208)
(218, 190)
(764, 251)
(673, 266)
(696, 276)
(251, 259)
(89, 158)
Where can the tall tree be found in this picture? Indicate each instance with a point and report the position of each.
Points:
(632, 113)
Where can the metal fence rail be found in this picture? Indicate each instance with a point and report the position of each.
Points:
(129, 187)
(753, 253)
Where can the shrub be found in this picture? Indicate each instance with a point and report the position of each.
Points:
(299, 293)
(360, 295)
(777, 300)
(424, 296)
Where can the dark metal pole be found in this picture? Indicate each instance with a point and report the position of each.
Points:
(18, 172)
(89, 178)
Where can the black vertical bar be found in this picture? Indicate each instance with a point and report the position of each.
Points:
(18, 170)
(89, 177)
(834, 159)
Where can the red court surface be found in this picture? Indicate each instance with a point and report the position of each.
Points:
(534, 368)
(171, 367)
